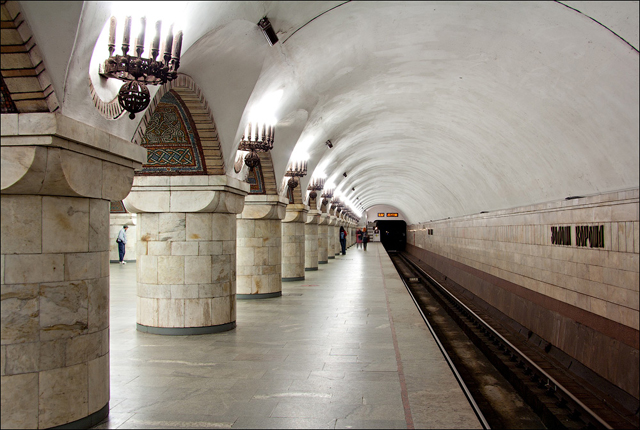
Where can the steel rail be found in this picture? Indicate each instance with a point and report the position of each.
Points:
(515, 349)
(463, 386)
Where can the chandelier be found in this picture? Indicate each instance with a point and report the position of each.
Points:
(296, 170)
(316, 184)
(256, 138)
(327, 194)
(138, 71)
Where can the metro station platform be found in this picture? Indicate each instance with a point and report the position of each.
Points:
(345, 348)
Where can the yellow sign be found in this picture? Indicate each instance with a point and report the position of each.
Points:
(392, 214)
(380, 215)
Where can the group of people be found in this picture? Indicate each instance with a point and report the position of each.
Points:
(361, 239)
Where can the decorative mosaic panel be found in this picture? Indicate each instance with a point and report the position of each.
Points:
(256, 180)
(8, 106)
(172, 141)
(117, 208)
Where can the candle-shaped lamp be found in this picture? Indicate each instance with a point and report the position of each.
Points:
(126, 36)
(112, 35)
(155, 46)
(140, 38)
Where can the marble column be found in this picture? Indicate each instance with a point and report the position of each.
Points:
(311, 240)
(258, 254)
(58, 177)
(331, 237)
(337, 249)
(323, 238)
(186, 252)
(293, 242)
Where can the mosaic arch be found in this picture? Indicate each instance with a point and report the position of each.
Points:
(179, 132)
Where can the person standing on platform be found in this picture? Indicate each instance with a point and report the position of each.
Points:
(122, 241)
(365, 238)
(358, 238)
(343, 240)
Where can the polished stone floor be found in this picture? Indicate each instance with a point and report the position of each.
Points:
(345, 348)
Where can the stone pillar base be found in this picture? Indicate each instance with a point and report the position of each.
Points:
(186, 331)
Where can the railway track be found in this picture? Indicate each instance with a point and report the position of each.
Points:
(509, 384)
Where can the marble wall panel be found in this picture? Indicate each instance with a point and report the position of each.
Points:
(98, 382)
(65, 224)
(171, 226)
(21, 220)
(19, 401)
(56, 387)
(198, 226)
(20, 313)
(171, 269)
(197, 269)
(99, 238)
(63, 309)
(98, 299)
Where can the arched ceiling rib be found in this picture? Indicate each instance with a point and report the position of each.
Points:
(440, 109)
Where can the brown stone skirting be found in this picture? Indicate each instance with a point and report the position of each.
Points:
(622, 333)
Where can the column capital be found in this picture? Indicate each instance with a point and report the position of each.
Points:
(313, 216)
(324, 219)
(187, 193)
(51, 154)
(264, 206)
(296, 213)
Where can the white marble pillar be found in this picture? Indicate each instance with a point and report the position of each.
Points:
(331, 237)
(293, 242)
(323, 238)
(337, 249)
(186, 252)
(311, 240)
(258, 254)
(58, 176)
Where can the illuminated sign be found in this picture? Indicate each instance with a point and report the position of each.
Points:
(380, 215)
(392, 214)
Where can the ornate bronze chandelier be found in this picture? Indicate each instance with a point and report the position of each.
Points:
(316, 184)
(297, 169)
(256, 138)
(137, 71)
(327, 195)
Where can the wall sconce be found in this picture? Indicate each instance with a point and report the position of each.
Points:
(329, 144)
(256, 138)
(268, 31)
(137, 71)
(296, 170)
(344, 174)
(316, 184)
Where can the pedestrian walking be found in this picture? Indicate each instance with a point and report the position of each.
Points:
(365, 238)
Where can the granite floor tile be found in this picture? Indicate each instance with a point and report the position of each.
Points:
(320, 356)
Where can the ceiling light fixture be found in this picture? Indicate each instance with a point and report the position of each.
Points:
(297, 169)
(316, 184)
(136, 71)
(268, 31)
(257, 137)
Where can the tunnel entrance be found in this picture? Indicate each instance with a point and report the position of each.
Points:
(393, 234)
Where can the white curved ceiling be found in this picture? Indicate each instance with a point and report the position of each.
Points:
(440, 109)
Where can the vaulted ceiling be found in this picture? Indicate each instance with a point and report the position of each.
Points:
(440, 109)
